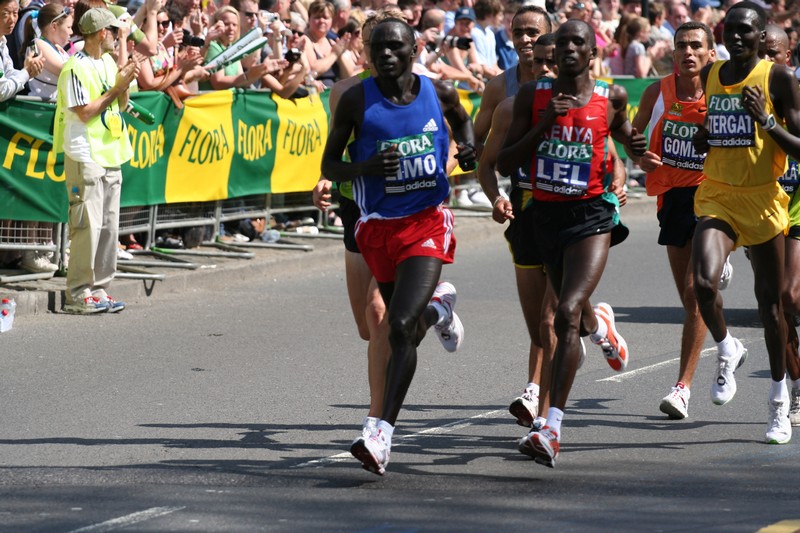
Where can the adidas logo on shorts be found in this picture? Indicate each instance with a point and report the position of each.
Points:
(428, 244)
(431, 126)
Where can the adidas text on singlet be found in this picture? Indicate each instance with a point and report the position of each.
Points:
(421, 137)
(741, 153)
(570, 160)
(670, 130)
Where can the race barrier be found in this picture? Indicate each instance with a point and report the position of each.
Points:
(191, 166)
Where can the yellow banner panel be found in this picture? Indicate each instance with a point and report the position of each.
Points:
(301, 139)
(200, 160)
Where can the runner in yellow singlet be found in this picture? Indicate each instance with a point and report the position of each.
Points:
(741, 203)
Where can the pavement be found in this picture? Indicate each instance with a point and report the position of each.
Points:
(213, 266)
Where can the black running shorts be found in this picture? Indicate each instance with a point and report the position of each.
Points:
(558, 225)
(676, 217)
(519, 233)
(349, 213)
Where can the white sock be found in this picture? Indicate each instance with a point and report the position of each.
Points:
(540, 421)
(387, 430)
(533, 387)
(796, 383)
(441, 311)
(601, 331)
(370, 421)
(778, 392)
(554, 416)
(726, 347)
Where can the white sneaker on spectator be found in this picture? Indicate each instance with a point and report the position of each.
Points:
(462, 198)
(479, 198)
(88, 306)
(36, 262)
(124, 254)
(113, 305)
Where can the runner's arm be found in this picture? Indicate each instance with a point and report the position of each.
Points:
(501, 119)
(521, 138)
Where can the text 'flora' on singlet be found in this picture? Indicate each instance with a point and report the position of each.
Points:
(570, 160)
(421, 137)
(741, 153)
(672, 125)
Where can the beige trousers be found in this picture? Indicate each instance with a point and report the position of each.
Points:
(93, 193)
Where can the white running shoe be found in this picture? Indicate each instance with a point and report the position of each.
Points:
(450, 330)
(676, 404)
(779, 430)
(542, 445)
(369, 427)
(525, 407)
(373, 452)
(614, 347)
(727, 274)
(794, 407)
(723, 388)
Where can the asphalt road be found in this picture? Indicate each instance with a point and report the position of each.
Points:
(233, 410)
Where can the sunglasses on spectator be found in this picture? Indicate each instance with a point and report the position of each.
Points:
(251, 14)
(163, 23)
(61, 15)
(297, 33)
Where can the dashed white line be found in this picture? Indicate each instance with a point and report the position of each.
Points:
(128, 520)
(646, 369)
(446, 428)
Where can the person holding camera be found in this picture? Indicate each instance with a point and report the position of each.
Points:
(162, 70)
(461, 52)
(435, 45)
(234, 75)
(284, 44)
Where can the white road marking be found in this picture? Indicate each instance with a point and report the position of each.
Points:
(646, 369)
(452, 426)
(128, 520)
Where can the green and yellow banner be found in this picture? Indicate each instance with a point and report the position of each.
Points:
(221, 145)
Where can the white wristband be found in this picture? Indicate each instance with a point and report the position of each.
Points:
(499, 197)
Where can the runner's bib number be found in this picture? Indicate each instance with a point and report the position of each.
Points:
(563, 167)
(729, 125)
